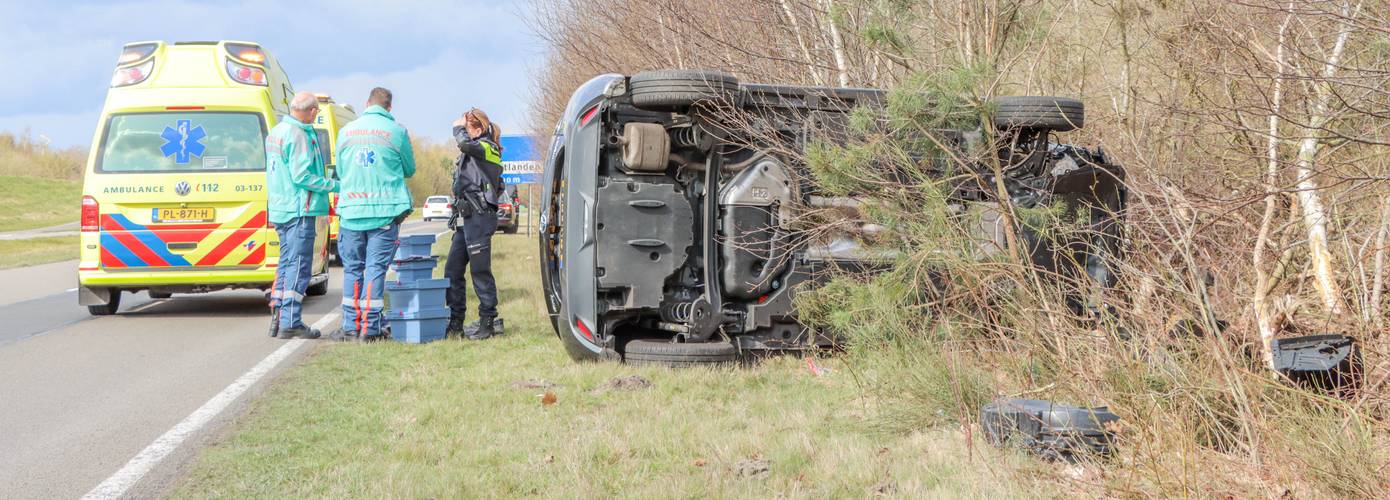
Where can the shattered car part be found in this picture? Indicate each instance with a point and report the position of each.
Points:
(1330, 363)
(663, 219)
(1051, 430)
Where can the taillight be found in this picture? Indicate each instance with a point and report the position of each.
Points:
(135, 52)
(91, 214)
(583, 328)
(132, 75)
(588, 115)
(246, 74)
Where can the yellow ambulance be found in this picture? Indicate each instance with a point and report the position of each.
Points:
(174, 195)
(332, 117)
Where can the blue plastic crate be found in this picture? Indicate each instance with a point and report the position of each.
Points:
(417, 269)
(415, 246)
(420, 295)
(418, 327)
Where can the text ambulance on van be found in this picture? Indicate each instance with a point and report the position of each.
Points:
(174, 197)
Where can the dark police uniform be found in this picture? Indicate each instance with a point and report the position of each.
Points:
(477, 189)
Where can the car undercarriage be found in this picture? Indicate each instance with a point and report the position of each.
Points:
(667, 233)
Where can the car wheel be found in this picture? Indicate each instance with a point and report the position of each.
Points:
(1061, 114)
(671, 89)
(665, 353)
(160, 295)
(317, 290)
(109, 307)
(510, 229)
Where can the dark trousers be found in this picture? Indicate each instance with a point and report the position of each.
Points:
(472, 248)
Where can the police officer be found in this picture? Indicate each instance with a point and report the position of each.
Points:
(477, 189)
(374, 159)
(297, 194)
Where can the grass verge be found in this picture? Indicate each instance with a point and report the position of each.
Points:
(17, 253)
(33, 202)
(465, 419)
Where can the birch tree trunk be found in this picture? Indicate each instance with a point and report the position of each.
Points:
(1314, 214)
(801, 43)
(837, 42)
(1264, 319)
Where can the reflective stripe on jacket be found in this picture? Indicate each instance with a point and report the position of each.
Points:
(478, 168)
(295, 182)
(374, 159)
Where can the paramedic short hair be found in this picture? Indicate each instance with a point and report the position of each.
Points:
(304, 101)
(380, 97)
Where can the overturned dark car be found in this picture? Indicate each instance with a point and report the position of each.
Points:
(663, 231)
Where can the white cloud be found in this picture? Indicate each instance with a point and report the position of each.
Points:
(458, 53)
(428, 98)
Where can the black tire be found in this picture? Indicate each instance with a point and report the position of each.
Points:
(317, 290)
(1060, 114)
(109, 307)
(674, 89)
(665, 353)
(160, 295)
(511, 229)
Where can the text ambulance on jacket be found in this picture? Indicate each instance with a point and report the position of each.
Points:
(295, 172)
(375, 142)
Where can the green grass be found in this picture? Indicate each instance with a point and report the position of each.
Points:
(449, 419)
(33, 202)
(17, 253)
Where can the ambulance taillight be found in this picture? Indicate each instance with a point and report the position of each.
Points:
(91, 214)
(135, 52)
(132, 75)
(246, 74)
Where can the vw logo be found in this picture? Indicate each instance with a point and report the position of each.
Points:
(182, 188)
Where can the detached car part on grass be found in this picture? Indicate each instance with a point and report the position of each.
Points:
(1050, 430)
(663, 230)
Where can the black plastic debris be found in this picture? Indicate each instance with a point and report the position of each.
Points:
(1051, 430)
(1330, 363)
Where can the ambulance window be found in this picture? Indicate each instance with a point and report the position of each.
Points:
(183, 142)
(325, 152)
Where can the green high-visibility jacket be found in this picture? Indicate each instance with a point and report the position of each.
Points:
(374, 159)
(295, 182)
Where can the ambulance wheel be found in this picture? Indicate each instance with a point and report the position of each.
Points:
(109, 307)
(317, 290)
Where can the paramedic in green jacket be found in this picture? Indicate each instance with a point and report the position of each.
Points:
(374, 159)
(297, 196)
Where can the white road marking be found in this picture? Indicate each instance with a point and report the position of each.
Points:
(71, 290)
(145, 461)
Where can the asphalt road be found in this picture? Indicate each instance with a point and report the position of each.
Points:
(81, 395)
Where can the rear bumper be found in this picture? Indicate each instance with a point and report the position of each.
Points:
(249, 277)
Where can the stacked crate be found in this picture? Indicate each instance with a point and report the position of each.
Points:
(417, 313)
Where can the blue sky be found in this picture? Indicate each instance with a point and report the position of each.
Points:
(438, 57)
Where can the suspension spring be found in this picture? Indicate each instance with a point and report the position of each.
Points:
(686, 136)
(678, 312)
